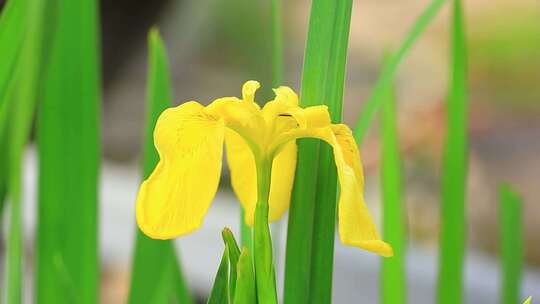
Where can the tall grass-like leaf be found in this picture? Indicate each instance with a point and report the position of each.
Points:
(12, 30)
(17, 113)
(69, 153)
(511, 244)
(324, 218)
(393, 287)
(156, 273)
(387, 76)
(310, 242)
(454, 170)
(3, 173)
(13, 25)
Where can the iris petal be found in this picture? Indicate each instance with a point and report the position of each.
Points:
(178, 193)
(356, 226)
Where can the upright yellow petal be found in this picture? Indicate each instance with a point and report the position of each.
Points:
(283, 169)
(178, 193)
(243, 117)
(248, 90)
(286, 95)
(243, 172)
(356, 227)
(244, 176)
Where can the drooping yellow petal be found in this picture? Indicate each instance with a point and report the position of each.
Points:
(178, 193)
(244, 177)
(356, 226)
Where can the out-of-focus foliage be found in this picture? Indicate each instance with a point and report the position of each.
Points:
(390, 69)
(68, 127)
(393, 284)
(23, 25)
(505, 58)
(156, 271)
(454, 168)
(511, 244)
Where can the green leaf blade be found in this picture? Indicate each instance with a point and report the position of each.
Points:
(393, 288)
(234, 256)
(310, 244)
(302, 208)
(511, 244)
(13, 23)
(156, 271)
(454, 170)
(324, 220)
(69, 156)
(220, 289)
(245, 292)
(18, 98)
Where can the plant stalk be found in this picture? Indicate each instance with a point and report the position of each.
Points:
(264, 267)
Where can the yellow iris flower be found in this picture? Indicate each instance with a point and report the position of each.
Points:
(189, 139)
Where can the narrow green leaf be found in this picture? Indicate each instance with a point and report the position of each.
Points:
(156, 271)
(389, 72)
(393, 289)
(4, 170)
(511, 244)
(16, 113)
(324, 220)
(310, 243)
(220, 290)
(13, 25)
(12, 32)
(245, 292)
(68, 145)
(234, 256)
(454, 171)
(301, 212)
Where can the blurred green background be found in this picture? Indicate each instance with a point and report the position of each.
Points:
(214, 46)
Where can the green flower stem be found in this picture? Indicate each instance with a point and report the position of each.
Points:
(264, 268)
(246, 233)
